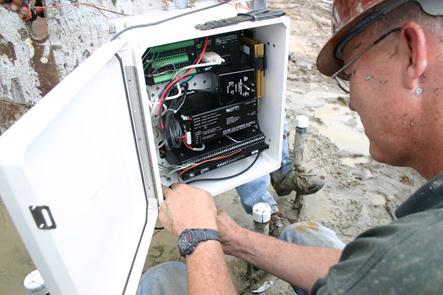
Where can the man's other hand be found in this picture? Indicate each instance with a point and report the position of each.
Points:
(229, 231)
(186, 207)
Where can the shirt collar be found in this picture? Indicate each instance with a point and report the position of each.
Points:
(429, 196)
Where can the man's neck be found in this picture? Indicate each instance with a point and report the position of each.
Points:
(428, 160)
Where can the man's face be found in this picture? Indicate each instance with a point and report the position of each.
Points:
(379, 96)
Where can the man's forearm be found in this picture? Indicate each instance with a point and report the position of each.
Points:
(299, 265)
(207, 270)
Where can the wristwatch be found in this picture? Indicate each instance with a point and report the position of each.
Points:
(190, 238)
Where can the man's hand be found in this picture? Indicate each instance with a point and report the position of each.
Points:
(275, 256)
(229, 232)
(186, 207)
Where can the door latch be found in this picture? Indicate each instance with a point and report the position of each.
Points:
(43, 217)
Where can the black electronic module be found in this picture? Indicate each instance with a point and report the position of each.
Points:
(203, 122)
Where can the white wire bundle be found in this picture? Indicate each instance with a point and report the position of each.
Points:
(201, 65)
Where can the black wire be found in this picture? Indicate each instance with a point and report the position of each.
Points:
(166, 19)
(227, 177)
(173, 132)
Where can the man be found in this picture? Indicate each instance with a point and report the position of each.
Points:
(391, 52)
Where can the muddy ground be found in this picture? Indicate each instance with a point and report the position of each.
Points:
(359, 193)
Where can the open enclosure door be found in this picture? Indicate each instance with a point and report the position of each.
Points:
(73, 177)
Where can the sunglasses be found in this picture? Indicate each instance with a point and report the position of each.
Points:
(342, 78)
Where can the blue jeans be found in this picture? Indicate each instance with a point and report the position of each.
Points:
(256, 190)
(170, 278)
(311, 234)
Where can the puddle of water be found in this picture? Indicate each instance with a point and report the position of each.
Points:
(336, 127)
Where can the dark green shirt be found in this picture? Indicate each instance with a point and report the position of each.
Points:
(404, 257)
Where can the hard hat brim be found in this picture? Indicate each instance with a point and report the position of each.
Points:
(327, 61)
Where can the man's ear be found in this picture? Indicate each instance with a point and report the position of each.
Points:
(414, 37)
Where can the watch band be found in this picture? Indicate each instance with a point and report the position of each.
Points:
(189, 239)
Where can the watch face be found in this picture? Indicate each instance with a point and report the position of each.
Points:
(185, 243)
(190, 238)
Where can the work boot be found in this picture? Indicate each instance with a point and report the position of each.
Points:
(277, 224)
(297, 180)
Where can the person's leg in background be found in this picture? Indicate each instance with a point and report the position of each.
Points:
(291, 178)
(256, 190)
(284, 180)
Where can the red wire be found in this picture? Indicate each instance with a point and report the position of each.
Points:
(162, 97)
(181, 77)
(186, 144)
(184, 141)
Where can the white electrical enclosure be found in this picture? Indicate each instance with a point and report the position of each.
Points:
(79, 172)
(274, 33)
